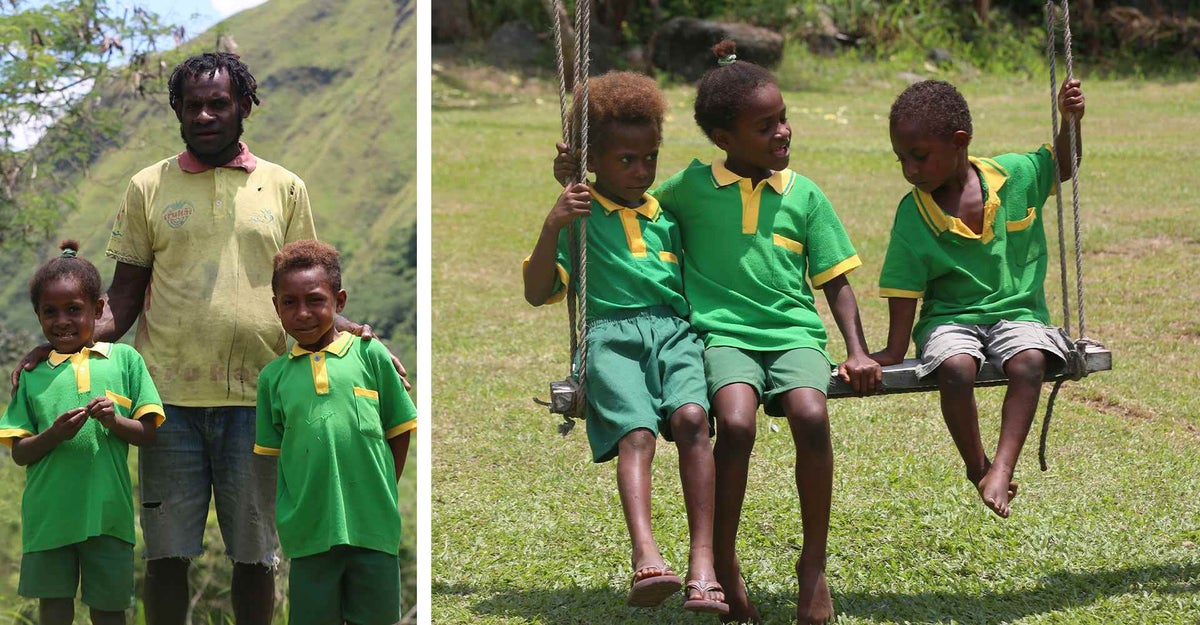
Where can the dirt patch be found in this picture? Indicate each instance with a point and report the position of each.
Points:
(1110, 406)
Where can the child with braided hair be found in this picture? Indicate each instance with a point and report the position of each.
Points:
(70, 424)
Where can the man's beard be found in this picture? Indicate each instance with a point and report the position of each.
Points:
(240, 129)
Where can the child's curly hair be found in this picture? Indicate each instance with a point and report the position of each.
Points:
(935, 105)
(619, 98)
(68, 265)
(723, 89)
(306, 255)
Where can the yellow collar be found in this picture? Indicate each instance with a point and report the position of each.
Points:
(992, 176)
(103, 349)
(649, 208)
(338, 347)
(781, 181)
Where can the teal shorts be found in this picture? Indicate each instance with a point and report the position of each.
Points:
(772, 374)
(641, 368)
(101, 565)
(345, 585)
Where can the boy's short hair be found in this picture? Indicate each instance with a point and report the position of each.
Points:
(935, 105)
(618, 98)
(68, 265)
(306, 255)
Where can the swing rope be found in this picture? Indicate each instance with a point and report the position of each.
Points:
(1075, 365)
(577, 143)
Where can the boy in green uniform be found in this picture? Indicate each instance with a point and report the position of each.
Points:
(335, 412)
(71, 423)
(644, 371)
(970, 242)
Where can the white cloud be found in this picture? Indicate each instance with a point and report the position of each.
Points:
(229, 7)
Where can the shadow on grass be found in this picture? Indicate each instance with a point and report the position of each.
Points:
(1057, 591)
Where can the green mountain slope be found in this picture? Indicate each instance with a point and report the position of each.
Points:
(338, 83)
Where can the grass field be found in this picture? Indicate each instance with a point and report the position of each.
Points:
(527, 530)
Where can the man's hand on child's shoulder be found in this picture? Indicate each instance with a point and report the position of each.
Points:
(862, 373)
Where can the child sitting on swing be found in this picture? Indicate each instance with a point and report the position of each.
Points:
(644, 372)
(969, 241)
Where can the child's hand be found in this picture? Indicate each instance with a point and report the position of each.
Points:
(101, 409)
(1070, 99)
(885, 358)
(566, 165)
(67, 425)
(575, 201)
(862, 373)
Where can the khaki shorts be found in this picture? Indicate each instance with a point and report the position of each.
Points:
(995, 343)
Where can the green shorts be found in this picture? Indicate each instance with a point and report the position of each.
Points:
(101, 565)
(772, 374)
(641, 368)
(345, 584)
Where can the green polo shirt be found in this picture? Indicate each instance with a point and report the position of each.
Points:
(328, 416)
(81, 488)
(976, 278)
(748, 249)
(633, 259)
(209, 238)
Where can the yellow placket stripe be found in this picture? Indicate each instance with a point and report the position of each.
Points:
(320, 373)
(633, 233)
(750, 199)
(83, 372)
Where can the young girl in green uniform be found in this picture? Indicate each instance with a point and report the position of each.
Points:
(70, 424)
(969, 241)
(751, 230)
(644, 370)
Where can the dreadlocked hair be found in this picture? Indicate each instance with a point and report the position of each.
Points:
(208, 64)
(67, 266)
(306, 254)
(935, 106)
(618, 98)
(722, 90)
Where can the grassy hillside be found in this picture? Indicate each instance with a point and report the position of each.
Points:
(338, 85)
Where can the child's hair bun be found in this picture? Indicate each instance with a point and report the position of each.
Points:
(724, 48)
(69, 247)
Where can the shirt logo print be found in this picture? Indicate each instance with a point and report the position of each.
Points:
(177, 214)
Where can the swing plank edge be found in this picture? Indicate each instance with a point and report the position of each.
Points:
(902, 378)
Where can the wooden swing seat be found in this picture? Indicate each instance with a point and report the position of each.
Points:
(902, 377)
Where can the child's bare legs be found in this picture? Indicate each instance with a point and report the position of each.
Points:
(635, 452)
(956, 387)
(107, 617)
(808, 420)
(56, 611)
(735, 407)
(1025, 372)
(689, 426)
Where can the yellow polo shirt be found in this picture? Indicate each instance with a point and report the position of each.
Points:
(208, 326)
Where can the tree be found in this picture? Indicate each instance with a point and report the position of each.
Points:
(56, 59)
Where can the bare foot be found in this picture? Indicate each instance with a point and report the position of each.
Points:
(741, 610)
(814, 606)
(997, 489)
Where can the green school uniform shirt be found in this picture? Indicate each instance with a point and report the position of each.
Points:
(965, 277)
(210, 238)
(328, 416)
(747, 250)
(633, 259)
(81, 488)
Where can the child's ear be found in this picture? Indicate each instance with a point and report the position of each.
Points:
(721, 138)
(100, 308)
(961, 139)
(340, 299)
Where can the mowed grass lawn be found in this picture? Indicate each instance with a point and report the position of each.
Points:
(525, 529)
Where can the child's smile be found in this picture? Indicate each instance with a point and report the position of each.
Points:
(68, 319)
(307, 306)
(760, 141)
